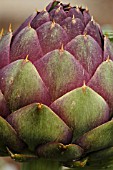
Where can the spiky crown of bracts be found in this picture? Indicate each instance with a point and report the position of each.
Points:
(66, 48)
(62, 22)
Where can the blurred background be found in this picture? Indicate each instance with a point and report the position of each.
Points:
(16, 11)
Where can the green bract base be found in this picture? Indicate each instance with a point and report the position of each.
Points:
(43, 164)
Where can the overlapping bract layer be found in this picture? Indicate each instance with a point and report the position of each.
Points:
(44, 106)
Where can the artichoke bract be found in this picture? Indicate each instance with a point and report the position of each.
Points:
(56, 89)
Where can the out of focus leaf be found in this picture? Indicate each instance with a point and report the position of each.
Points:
(109, 34)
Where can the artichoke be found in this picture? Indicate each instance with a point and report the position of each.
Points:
(56, 89)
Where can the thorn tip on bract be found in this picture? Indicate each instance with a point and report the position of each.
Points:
(10, 28)
(80, 163)
(87, 10)
(84, 162)
(39, 105)
(10, 153)
(36, 10)
(58, 9)
(53, 24)
(29, 25)
(61, 146)
(73, 16)
(84, 86)
(62, 48)
(44, 10)
(85, 34)
(73, 19)
(77, 8)
(2, 32)
(26, 59)
(64, 147)
(108, 59)
(92, 19)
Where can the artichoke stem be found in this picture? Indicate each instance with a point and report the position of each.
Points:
(41, 164)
